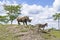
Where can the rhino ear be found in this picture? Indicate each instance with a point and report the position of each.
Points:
(46, 23)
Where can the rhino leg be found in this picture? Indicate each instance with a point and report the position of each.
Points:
(26, 23)
(18, 23)
(23, 23)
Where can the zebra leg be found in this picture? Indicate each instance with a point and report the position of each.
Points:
(38, 29)
(43, 28)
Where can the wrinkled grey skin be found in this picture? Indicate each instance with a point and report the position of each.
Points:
(24, 19)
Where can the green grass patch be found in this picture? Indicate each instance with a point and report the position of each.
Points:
(23, 30)
(46, 36)
(56, 33)
(5, 34)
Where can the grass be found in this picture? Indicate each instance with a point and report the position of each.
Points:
(24, 30)
(53, 35)
(46, 36)
(56, 33)
(6, 35)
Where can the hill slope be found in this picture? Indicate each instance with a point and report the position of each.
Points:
(21, 32)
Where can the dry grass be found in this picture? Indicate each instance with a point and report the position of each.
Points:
(8, 32)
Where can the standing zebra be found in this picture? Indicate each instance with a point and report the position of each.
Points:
(41, 26)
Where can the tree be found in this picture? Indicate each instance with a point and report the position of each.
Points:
(4, 19)
(57, 17)
(13, 11)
